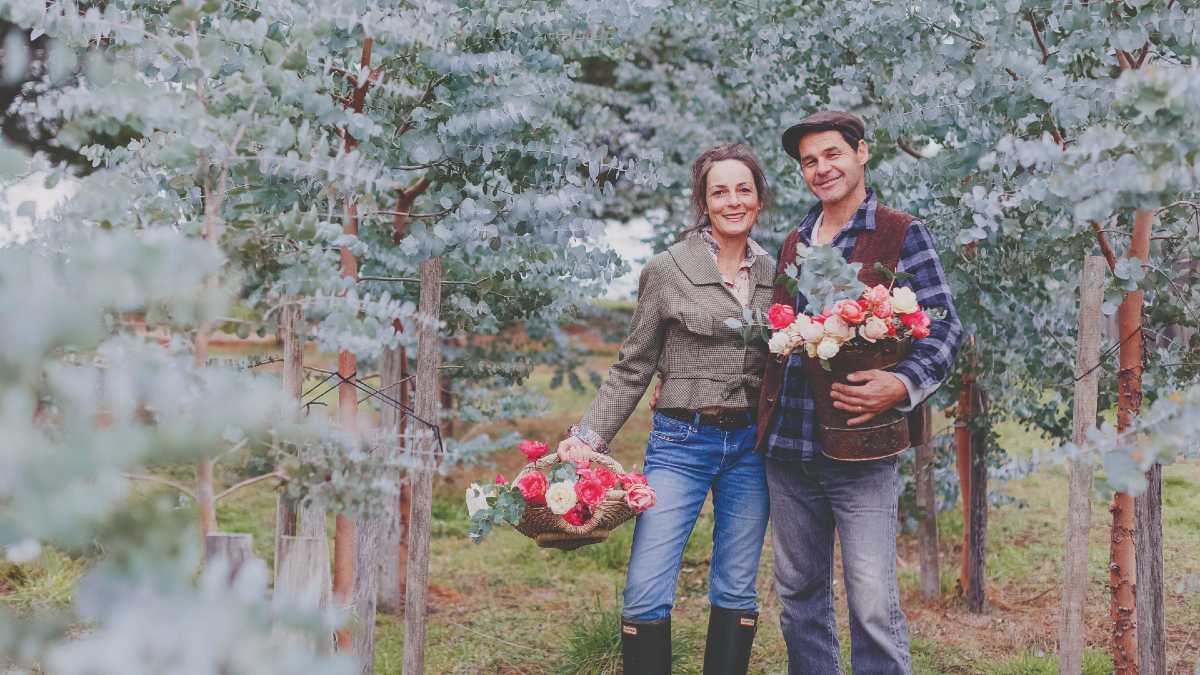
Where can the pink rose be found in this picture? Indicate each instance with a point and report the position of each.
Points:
(500, 479)
(920, 332)
(632, 478)
(640, 497)
(607, 478)
(850, 311)
(884, 309)
(533, 488)
(781, 316)
(877, 295)
(533, 450)
(578, 515)
(589, 491)
(873, 329)
(914, 319)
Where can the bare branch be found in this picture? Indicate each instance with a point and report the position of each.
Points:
(248, 482)
(1037, 35)
(162, 481)
(908, 149)
(1105, 248)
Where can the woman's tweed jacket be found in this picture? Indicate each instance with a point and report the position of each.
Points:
(679, 330)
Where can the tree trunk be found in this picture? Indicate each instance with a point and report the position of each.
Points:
(368, 558)
(302, 583)
(393, 373)
(428, 359)
(1079, 505)
(1123, 556)
(931, 584)
(344, 527)
(977, 558)
(290, 317)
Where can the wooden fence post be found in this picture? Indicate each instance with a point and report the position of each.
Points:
(1079, 505)
(931, 584)
(235, 549)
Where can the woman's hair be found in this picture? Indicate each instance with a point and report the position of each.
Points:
(700, 169)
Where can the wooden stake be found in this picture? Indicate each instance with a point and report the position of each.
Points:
(235, 549)
(1079, 505)
(302, 582)
(428, 360)
(927, 533)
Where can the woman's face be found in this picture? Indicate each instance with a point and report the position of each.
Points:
(731, 198)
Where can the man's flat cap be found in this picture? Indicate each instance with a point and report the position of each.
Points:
(825, 120)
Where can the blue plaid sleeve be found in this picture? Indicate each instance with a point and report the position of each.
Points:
(932, 358)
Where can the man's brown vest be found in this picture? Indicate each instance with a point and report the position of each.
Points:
(884, 244)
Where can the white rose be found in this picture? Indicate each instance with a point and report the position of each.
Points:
(779, 342)
(874, 329)
(904, 301)
(476, 500)
(560, 497)
(828, 348)
(837, 328)
(796, 327)
(810, 348)
(812, 331)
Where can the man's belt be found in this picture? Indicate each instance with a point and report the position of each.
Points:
(726, 420)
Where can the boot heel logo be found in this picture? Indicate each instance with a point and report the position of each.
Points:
(629, 630)
(746, 621)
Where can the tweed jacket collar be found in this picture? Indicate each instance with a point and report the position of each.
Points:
(695, 260)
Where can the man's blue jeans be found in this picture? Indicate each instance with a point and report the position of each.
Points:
(809, 500)
(683, 462)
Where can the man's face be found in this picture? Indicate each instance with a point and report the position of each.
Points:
(832, 169)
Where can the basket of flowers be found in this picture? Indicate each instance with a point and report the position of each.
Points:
(561, 505)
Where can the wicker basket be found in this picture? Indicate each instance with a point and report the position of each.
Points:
(551, 531)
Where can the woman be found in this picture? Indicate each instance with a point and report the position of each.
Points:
(703, 431)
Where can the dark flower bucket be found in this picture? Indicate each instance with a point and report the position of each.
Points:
(882, 436)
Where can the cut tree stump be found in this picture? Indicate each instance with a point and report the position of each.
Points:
(302, 583)
(235, 549)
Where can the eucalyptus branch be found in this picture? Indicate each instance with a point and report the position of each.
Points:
(908, 149)
(1037, 35)
(1105, 248)
(950, 31)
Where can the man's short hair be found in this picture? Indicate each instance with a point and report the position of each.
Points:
(847, 124)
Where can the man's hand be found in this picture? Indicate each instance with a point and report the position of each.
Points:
(879, 390)
(572, 448)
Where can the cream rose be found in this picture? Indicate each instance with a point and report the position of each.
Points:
(874, 329)
(828, 348)
(835, 327)
(812, 331)
(904, 301)
(560, 497)
(797, 326)
(779, 342)
(810, 348)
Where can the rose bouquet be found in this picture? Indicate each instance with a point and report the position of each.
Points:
(589, 494)
(878, 314)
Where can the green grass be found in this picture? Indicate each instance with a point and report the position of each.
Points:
(1030, 663)
(46, 583)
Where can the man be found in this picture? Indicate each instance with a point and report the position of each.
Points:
(812, 496)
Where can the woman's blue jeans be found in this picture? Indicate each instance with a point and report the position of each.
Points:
(683, 462)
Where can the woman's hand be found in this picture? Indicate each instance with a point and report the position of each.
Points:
(572, 448)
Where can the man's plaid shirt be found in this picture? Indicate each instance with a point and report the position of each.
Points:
(793, 434)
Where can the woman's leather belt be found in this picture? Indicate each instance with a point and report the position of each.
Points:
(726, 420)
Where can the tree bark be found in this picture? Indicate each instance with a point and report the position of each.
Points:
(1151, 623)
(1079, 505)
(927, 533)
(962, 463)
(393, 373)
(290, 317)
(368, 558)
(344, 527)
(428, 359)
(1123, 556)
(977, 558)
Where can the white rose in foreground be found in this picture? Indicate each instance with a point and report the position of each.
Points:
(874, 329)
(904, 301)
(828, 348)
(796, 326)
(812, 331)
(779, 342)
(837, 328)
(560, 497)
(476, 500)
